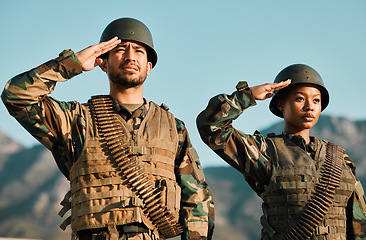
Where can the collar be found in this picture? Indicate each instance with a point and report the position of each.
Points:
(126, 114)
(300, 141)
(119, 107)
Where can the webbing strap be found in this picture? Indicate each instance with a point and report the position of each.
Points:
(66, 205)
(96, 183)
(113, 232)
(268, 228)
(102, 195)
(65, 223)
(91, 170)
(159, 172)
(97, 209)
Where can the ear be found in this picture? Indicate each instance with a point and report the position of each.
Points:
(149, 67)
(104, 65)
(280, 104)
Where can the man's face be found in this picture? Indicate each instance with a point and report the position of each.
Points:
(301, 107)
(127, 64)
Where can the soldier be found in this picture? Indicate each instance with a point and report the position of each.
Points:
(132, 169)
(308, 186)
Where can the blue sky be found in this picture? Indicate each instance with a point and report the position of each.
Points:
(204, 48)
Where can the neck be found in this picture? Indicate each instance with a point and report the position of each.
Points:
(127, 95)
(303, 133)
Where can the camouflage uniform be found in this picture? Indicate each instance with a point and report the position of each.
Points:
(251, 154)
(61, 127)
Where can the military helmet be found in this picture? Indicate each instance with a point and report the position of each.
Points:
(131, 30)
(298, 73)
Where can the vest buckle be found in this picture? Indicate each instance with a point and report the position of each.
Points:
(322, 230)
(138, 150)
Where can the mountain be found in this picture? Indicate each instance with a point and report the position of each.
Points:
(31, 186)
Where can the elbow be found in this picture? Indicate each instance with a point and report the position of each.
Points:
(202, 126)
(6, 96)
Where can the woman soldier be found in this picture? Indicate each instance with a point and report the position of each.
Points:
(308, 186)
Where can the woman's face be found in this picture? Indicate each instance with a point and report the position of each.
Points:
(301, 107)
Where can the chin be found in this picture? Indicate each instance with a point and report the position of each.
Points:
(309, 126)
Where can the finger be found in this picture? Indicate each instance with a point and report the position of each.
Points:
(109, 45)
(105, 47)
(280, 85)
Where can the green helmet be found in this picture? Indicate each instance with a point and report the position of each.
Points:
(131, 30)
(298, 73)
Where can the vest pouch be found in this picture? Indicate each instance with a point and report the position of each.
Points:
(171, 194)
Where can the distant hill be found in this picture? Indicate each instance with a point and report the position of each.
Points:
(31, 186)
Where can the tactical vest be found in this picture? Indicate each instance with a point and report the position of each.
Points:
(100, 196)
(292, 183)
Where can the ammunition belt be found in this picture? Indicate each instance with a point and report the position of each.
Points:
(323, 196)
(110, 129)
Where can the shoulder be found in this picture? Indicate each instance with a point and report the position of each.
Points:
(347, 160)
(162, 106)
(179, 123)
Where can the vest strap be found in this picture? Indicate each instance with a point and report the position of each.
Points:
(97, 183)
(91, 170)
(160, 172)
(268, 228)
(64, 209)
(113, 233)
(66, 204)
(130, 201)
(65, 223)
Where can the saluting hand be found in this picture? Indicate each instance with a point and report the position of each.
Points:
(265, 91)
(88, 57)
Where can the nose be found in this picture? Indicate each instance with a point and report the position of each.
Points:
(129, 54)
(309, 105)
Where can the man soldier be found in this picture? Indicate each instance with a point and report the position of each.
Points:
(132, 169)
(308, 186)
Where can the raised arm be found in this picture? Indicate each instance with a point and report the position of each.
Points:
(264, 91)
(57, 125)
(246, 153)
(25, 95)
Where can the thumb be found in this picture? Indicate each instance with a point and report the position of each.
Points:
(98, 61)
(269, 95)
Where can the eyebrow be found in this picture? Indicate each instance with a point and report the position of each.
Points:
(299, 92)
(134, 45)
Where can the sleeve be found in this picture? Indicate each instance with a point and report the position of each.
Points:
(197, 206)
(356, 210)
(246, 153)
(48, 120)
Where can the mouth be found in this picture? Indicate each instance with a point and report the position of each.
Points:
(308, 117)
(130, 68)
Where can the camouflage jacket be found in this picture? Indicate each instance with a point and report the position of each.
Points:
(249, 153)
(60, 127)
